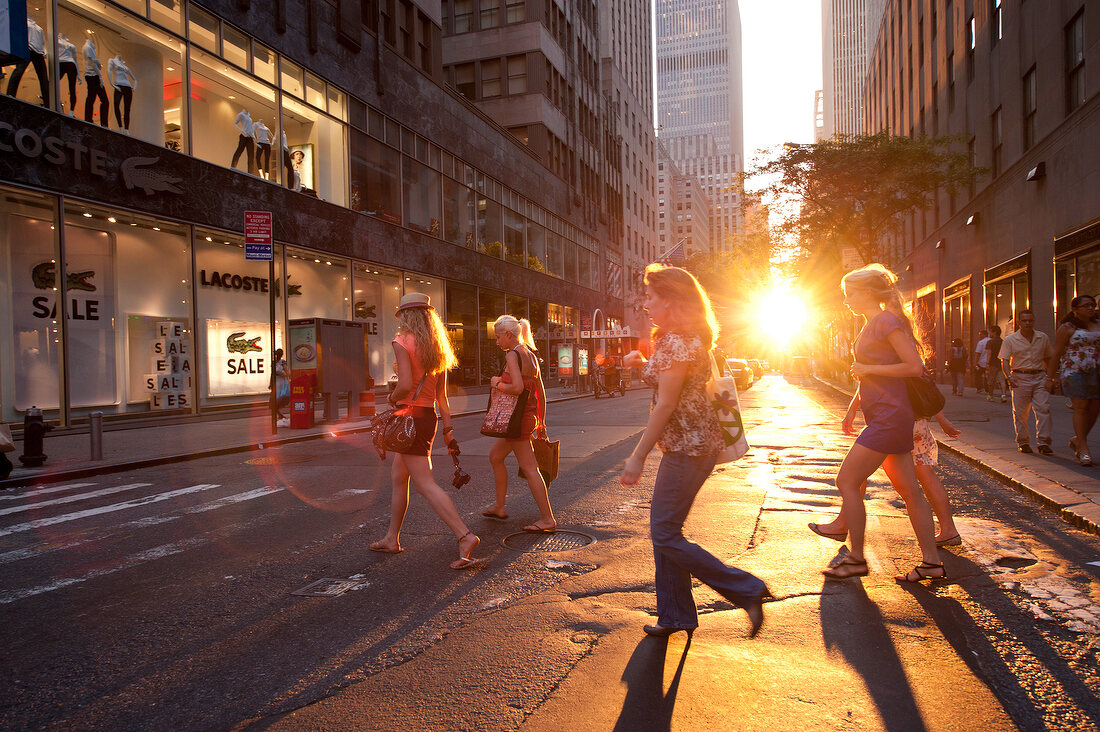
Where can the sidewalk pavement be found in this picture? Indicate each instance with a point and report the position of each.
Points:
(130, 445)
(988, 441)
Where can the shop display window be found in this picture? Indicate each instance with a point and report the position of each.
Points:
(462, 327)
(291, 78)
(491, 306)
(540, 329)
(235, 341)
(420, 188)
(263, 62)
(223, 97)
(375, 178)
(139, 86)
(29, 369)
(536, 247)
(317, 150)
(202, 28)
(515, 306)
(317, 285)
(29, 80)
(513, 237)
(376, 293)
(489, 227)
(459, 221)
(167, 13)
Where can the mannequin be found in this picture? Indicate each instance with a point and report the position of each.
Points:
(125, 84)
(262, 133)
(36, 43)
(244, 125)
(66, 60)
(288, 165)
(92, 68)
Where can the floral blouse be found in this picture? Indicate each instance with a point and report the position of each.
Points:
(1081, 352)
(693, 427)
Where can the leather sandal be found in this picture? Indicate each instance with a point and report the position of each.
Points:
(923, 572)
(855, 568)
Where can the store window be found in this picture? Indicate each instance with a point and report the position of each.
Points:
(516, 306)
(202, 28)
(569, 260)
(235, 343)
(30, 367)
(317, 151)
(489, 233)
(536, 313)
(29, 80)
(139, 84)
(536, 247)
(375, 178)
(513, 237)
(459, 221)
(317, 285)
(226, 104)
(462, 326)
(376, 294)
(167, 14)
(421, 192)
(491, 306)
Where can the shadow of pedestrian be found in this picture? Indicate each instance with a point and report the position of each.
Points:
(853, 625)
(646, 705)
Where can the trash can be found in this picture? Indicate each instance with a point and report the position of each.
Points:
(301, 402)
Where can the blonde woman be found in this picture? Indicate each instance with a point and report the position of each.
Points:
(684, 425)
(423, 354)
(886, 353)
(521, 372)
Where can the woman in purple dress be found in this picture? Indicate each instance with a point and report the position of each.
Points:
(886, 353)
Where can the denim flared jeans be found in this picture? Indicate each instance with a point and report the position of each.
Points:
(679, 478)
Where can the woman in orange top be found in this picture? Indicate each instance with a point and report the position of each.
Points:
(424, 355)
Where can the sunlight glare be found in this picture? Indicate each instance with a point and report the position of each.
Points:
(781, 316)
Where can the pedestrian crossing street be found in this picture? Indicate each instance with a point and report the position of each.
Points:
(41, 524)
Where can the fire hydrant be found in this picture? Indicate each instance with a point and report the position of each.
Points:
(34, 433)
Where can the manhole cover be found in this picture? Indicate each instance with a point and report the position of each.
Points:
(1016, 562)
(559, 541)
(328, 587)
(279, 460)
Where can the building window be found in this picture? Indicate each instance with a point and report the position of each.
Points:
(995, 28)
(516, 11)
(517, 74)
(425, 44)
(463, 17)
(1075, 62)
(464, 80)
(997, 130)
(1030, 105)
(375, 178)
(490, 14)
(490, 78)
(971, 43)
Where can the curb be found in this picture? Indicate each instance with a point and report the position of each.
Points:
(89, 470)
(1063, 507)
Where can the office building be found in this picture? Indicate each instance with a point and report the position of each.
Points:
(848, 32)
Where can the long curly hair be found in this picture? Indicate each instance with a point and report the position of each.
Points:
(882, 283)
(433, 345)
(688, 301)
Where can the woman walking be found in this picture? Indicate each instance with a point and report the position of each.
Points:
(521, 372)
(423, 354)
(280, 385)
(684, 426)
(1076, 366)
(886, 352)
(956, 365)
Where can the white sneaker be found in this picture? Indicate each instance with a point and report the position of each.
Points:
(284, 422)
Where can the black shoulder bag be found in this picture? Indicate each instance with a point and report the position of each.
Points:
(394, 430)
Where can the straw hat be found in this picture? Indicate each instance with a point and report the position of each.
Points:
(414, 300)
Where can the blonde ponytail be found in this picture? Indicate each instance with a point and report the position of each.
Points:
(881, 282)
(520, 328)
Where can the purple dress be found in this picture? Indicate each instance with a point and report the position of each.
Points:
(884, 399)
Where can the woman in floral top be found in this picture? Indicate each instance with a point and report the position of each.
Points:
(1076, 366)
(684, 425)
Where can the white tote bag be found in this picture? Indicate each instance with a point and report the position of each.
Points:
(722, 392)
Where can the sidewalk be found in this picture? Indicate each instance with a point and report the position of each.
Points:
(988, 441)
(128, 446)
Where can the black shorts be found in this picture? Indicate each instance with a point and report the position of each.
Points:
(425, 420)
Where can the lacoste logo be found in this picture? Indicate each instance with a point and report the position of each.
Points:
(364, 311)
(236, 343)
(146, 179)
(44, 278)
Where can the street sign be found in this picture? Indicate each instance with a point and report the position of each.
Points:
(258, 245)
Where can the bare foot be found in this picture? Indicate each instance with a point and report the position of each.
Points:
(466, 546)
(385, 547)
(494, 513)
(541, 528)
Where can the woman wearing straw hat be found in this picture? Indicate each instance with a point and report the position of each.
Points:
(423, 354)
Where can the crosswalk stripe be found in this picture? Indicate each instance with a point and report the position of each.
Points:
(71, 499)
(43, 491)
(135, 503)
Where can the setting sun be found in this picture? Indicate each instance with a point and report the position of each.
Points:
(781, 315)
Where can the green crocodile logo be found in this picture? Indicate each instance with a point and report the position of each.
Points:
(44, 277)
(236, 343)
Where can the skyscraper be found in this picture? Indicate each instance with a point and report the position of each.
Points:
(848, 32)
(699, 102)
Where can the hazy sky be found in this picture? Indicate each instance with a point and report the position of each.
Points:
(781, 62)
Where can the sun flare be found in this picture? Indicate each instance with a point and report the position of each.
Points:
(781, 315)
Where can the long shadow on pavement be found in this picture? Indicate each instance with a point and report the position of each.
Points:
(646, 705)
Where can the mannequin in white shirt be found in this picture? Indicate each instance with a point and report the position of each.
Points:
(244, 126)
(66, 64)
(36, 44)
(262, 134)
(92, 67)
(125, 84)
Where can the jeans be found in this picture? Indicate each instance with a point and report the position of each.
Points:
(1030, 394)
(957, 385)
(679, 479)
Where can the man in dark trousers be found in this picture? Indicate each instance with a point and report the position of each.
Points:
(994, 378)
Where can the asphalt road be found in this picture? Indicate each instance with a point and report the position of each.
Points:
(161, 598)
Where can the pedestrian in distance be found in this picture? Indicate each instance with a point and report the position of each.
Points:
(980, 358)
(926, 455)
(280, 384)
(887, 351)
(1075, 367)
(424, 355)
(1026, 355)
(684, 425)
(957, 359)
(521, 372)
(994, 377)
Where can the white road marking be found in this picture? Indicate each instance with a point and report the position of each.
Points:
(44, 491)
(137, 502)
(1095, 564)
(72, 499)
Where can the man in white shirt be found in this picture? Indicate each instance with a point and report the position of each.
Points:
(1025, 356)
(981, 360)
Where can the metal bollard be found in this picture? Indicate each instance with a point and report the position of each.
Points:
(96, 431)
